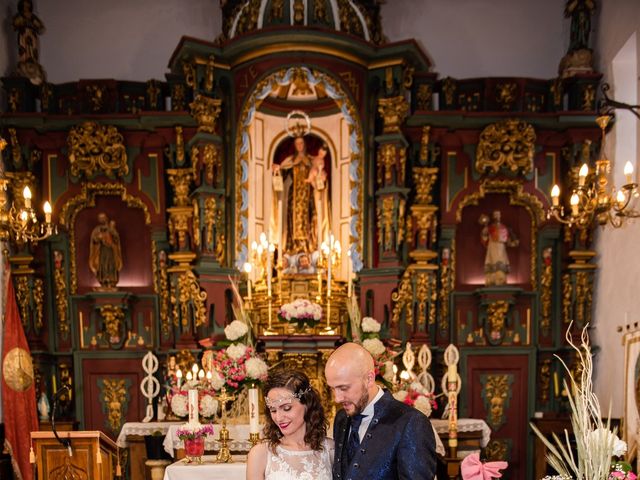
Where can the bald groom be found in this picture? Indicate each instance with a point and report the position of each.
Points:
(377, 437)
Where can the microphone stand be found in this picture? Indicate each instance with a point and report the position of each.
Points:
(66, 442)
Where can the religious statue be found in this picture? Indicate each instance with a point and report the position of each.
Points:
(28, 26)
(496, 237)
(105, 254)
(303, 220)
(580, 13)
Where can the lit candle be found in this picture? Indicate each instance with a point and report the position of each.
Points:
(555, 195)
(179, 377)
(574, 204)
(209, 375)
(26, 193)
(193, 406)
(329, 262)
(582, 174)
(189, 376)
(254, 417)
(628, 171)
(47, 212)
(201, 374)
(195, 369)
(319, 285)
(621, 198)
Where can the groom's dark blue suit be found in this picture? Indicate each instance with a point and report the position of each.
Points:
(398, 444)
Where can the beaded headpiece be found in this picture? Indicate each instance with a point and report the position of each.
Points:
(285, 398)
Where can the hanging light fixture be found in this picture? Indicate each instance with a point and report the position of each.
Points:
(22, 224)
(592, 200)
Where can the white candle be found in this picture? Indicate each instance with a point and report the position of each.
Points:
(329, 262)
(179, 377)
(452, 373)
(268, 272)
(254, 417)
(193, 406)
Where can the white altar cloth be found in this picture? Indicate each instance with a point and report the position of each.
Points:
(208, 470)
(465, 425)
(238, 434)
(143, 429)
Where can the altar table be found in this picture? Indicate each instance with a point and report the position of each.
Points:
(208, 470)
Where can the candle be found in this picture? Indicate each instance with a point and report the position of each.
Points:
(329, 262)
(189, 376)
(555, 195)
(201, 374)
(269, 271)
(254, 418)
(179, 377)
(26, 194)
(319, 285)
(53, 384)
(47, 212)
(193, 406)
(452, 374)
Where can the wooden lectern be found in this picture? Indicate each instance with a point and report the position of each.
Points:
(94, 455)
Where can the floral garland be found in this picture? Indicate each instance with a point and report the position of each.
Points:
(300, 312)
(416, 395)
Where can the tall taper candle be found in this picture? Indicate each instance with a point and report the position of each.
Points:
(193, 406)
(254, 417)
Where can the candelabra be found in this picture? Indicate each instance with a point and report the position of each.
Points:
(262, 256)
(592, 200)
(330, 255)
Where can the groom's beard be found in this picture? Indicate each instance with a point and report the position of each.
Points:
(362, 402)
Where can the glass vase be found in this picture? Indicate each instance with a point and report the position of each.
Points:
(194, 449)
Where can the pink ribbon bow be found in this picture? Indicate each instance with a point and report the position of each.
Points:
(473, 469)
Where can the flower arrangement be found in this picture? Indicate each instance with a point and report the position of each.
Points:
(416, 395)
(190, 431)
(301, 312)
(369, 337)
(238, 365)
(596, 443)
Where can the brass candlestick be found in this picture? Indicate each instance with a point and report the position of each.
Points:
(224, 455)
(254, 439)
(269, 330)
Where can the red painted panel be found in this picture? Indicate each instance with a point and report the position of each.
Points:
(515, 427)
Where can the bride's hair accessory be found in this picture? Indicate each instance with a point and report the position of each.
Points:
(286, 398)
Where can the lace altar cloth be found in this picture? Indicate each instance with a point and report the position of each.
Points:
(208, 470)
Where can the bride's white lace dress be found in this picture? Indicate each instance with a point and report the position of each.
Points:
(300, 465)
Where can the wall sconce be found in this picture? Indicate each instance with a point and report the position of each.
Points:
(22, 224)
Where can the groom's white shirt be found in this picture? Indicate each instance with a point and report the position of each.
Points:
(368, 414)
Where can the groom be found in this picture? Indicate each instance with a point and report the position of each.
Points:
(376, 436)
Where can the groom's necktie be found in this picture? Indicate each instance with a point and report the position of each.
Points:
(354, 438)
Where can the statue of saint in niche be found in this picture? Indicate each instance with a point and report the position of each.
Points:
(496, 237)
(105, 254)
(303, 196)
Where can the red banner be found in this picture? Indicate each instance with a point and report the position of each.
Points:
(18, 388)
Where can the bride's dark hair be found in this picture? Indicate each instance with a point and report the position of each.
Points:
(314, 417)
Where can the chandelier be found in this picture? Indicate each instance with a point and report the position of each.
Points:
(22, 224)
(592, 200)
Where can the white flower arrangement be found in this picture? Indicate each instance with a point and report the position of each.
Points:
(217, 380)
(370, 325)
(301, 312)
(235, 330)
(208, 406)
(180, 405)
(595, 442)
(400, 395)
(256, 368)
(236, 351)
(374, 346)
(423, 404)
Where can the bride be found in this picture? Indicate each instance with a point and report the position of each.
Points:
(296, 446)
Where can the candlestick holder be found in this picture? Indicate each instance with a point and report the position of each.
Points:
(328, 329)
(269, 330)
(224, 455)
(254, 439)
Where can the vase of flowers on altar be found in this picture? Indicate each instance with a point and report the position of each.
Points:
(193, 435)
(598, 450)
(301, 313)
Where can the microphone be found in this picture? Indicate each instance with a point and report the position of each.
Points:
(66, 442)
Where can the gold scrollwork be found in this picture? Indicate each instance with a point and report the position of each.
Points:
(178, 226)
(113, 316)
(497, 318)
(449, 88)
(95, 149)
(386, 227)
(423, 97)
(546, 281)
(496, 396)
(180, 156)
(96, 96)
(545, 380)
(506, 94)
(189, 298)
(497, 450)
(189, 72)
(209, 220)
(424, 144)
(180, 179)
(38, 300)
(206, 110)
(114, 399)
(153, 93)
(161, 287)
(393, 111)
(60, 286)
(403, 299)
(424, 178)
(556, 92)
(178, 97)
(86, 199)
(583, 298)
(567, 293)
(23, 298)
(509, 143)
(16, 151)
(588, 98)
(445, 288)
(212, 163)
(196, 223)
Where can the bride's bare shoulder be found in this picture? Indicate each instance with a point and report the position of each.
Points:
(257, 461)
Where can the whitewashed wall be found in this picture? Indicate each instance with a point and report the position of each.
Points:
(618, 280)
(133, 40)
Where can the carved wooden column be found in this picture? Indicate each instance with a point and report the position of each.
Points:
(29, 297)
(577, 289)
(391, 193)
